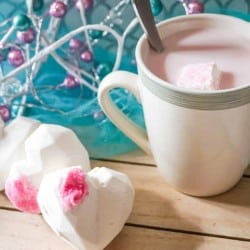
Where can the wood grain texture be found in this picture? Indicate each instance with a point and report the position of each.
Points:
(157, 204)
(21, 231)
(4, 202)
(247, 173)
(162, 218)
(147, 239)
(136, 156)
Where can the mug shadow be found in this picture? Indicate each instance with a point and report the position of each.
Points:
(158, 210)
(238, 195)
(156, 226)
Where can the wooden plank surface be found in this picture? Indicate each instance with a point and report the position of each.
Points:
(157, 204)
(162, 218)
(4, 202)
(247, 173)
(136, 156)
(21, 231)
(148, 239)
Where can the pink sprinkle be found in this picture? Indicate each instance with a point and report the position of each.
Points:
(73, 189)
(22, 194)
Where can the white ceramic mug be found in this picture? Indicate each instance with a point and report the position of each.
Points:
(199, 140)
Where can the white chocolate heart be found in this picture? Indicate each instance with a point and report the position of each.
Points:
(91, 218)
(12, 144)
(49, 148)
(52, 147)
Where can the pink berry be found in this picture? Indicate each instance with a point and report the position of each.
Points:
(58, 9)
(195, 6)
(5, 113)
(70, 82)
(15, 57)
(87, 4)
(75, 44)
(87, 56)
(27, 36)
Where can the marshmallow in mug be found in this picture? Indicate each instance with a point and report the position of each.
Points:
(199, 76)
(49, 148)
(86, 210)
(12, 144)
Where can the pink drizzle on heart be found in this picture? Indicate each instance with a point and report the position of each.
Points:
(22, 194)
(73, 189)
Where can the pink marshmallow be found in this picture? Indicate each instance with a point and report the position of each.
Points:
(199, 76)
(22, 194)
(73, 189)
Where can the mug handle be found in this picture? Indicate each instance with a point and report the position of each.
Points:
(129, 81)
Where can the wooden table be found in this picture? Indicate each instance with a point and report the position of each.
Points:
(162, 218)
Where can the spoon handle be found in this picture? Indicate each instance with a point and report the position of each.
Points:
(143, 11)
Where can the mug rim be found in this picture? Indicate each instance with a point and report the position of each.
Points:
(159, 81)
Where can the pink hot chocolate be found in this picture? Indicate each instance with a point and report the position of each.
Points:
(73, 189)
(22, 193)
(227, 47)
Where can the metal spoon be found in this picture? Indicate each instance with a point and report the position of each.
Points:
(143, 11)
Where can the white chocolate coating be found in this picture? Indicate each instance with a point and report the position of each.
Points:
(99, 218)
(53, 147)
(12, 144)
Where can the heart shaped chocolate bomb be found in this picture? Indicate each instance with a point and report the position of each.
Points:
(49, 148)
(86, 210)
(12, 144)
(53, 146)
